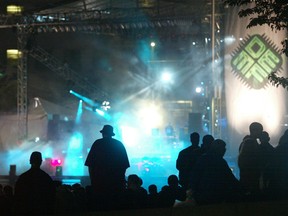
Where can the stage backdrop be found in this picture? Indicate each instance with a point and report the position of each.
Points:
(250, 56)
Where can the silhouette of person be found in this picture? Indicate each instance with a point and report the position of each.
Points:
(266, 155)
(187, 159)
(206, 143)
(249, 160)
(213, 180)
(277, 171)
(34, 190)
(6, 200)
(171, 192)
(107, 162)
(153, 196)
(255, 129)
(135, 195)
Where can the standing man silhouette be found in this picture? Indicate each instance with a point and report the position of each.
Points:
(107, 162)
(34, 190)
(249, 160)
(187, 159)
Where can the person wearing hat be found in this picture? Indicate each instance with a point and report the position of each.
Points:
(34, 190)
(107, 162)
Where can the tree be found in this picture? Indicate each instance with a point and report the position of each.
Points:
(273, 13)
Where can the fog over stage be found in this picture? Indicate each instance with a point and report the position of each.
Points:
(151, 148)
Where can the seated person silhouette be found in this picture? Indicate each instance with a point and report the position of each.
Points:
(153, 196)
(135, 195)
(171, 192)
(34, 190)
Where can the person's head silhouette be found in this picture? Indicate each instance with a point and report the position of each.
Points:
(36, 159)
(255, 129)
(195, 138)
(107, 131)
(218, 147)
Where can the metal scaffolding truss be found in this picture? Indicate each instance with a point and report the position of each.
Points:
(217, 69)
(100, 20)
(22, 112)
(64, 71)
(186, 27)
(104, 12)
(53, 64)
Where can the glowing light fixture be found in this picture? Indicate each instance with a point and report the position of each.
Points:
(198, 90)
(130, 136)
(166, 77)
(13, 54)
(79, 112)
(105, 105)
(14, 9)
(229, 40)
(100, 112)
(56, 162)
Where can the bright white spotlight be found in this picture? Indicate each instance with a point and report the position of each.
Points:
(130, 135)
(229, 40)
(100, 112)
(198, 90)
(152, 44)
(166, 77)
(150, 116)
(105, 105)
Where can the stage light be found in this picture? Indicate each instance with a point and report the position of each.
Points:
(198, 90)
(79, 112)
(14, 9)
(83, 98)
(13, 54)
(105, 105)
(152, 44)
(100, 112)
(166, 77)
(150, 116)
(229, 40)
(56, 162)
(130, 136)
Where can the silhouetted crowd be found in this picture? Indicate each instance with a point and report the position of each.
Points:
(205, 178)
